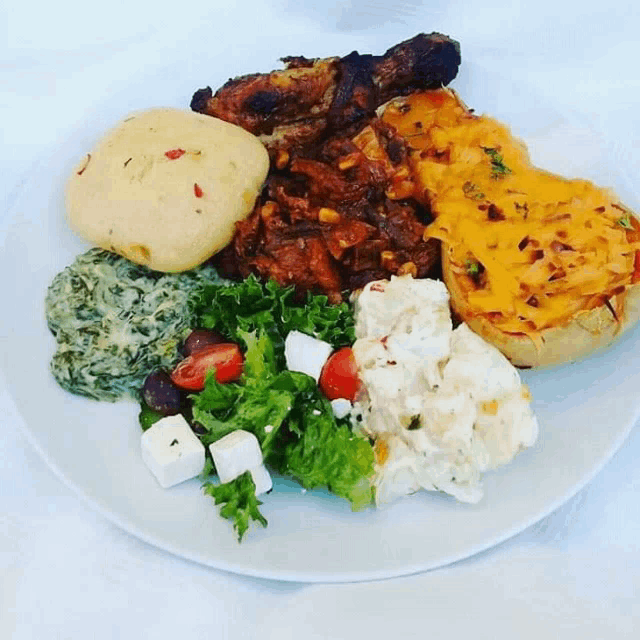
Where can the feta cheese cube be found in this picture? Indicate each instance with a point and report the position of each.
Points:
(341, 407)
(306, 354)
(261, 479)
(172, 451)
(237, 452)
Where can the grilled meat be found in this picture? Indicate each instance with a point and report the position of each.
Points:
(339, 207)
(301, 94)
(317, 98)
(336, 217)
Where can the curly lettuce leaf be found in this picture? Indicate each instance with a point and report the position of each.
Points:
(259, 403)
(241, 308)
(294, 423)
(328, 454)
(258, 410)
(239, 502)
(259, 359)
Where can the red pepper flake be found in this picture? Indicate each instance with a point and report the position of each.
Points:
(174, 154)
(495, 213)
(558, 246)
(86, 164)
(536, 255)
(197, 190)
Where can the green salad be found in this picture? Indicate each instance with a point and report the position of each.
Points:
(298, 433)
(115, 323)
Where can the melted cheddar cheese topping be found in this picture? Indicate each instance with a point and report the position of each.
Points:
(530, 249)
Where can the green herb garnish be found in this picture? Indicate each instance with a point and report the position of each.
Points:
(498, 167)
(476, 271)
(473, 268)
(625, 222)
(472, 191)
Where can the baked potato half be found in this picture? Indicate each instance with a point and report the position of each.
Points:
(584, 332)
(543, 267)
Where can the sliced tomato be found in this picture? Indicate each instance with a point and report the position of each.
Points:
(226, 359)
(339, 377)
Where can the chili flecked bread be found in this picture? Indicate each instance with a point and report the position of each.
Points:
(543, 267)
(165, 187)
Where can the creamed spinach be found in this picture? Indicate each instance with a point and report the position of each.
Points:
(115, 321)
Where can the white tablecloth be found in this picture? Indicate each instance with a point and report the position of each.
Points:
(66, 572)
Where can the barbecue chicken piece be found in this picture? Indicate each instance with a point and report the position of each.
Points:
(316, 98)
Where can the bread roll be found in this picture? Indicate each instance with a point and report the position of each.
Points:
(165, 187)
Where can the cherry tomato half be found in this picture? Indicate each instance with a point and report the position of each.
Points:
(225, 358)
(339, 377)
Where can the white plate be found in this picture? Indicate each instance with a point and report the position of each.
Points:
(585, 410)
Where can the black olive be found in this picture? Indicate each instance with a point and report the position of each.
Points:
(161, 394)
(198, 429)
(201, 338)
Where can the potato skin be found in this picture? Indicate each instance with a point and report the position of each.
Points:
(588, 331)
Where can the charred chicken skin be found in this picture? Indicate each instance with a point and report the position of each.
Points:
(311, 98)
(338, 209)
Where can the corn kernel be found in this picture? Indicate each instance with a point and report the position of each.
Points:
(330, 216)
(282, 159)
(381, 451)
(400, 190)
(408, 268)
(348, 161)
(386, 257)
(268, 209)
(490, 407)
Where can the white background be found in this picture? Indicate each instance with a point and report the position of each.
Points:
(65, 572)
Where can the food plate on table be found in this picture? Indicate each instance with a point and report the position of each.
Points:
(585, 410)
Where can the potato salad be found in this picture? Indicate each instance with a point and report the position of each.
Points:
(442, 405)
